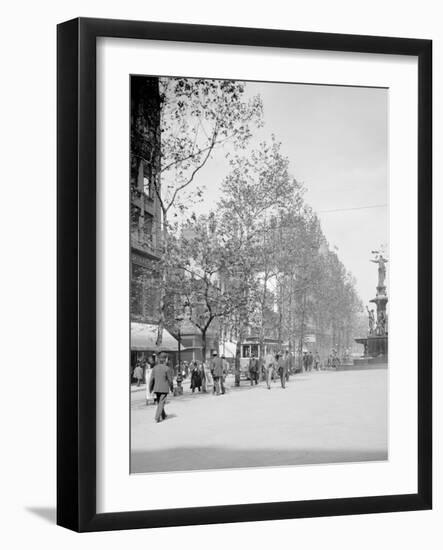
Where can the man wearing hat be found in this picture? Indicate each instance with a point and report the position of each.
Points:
(217, 372)
(160, 383)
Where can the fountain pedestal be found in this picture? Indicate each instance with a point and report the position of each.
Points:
(376, 342)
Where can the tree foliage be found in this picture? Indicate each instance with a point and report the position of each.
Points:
(197, 115)
(260, 263)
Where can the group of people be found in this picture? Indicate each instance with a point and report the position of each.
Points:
(311, 361)
(213, 375)
(273, 365)
(280, 365)
(219, 370)
(334, 359)
(160, 378)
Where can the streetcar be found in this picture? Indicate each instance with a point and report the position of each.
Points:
(251, 346)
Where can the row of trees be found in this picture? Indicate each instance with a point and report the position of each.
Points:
(260, 261)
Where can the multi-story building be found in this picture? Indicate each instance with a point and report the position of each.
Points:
(145, 205)
(145, 220)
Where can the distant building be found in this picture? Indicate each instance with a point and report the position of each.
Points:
(192, 344)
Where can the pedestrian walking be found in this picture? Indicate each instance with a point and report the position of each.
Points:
(225, 368)
(281, 369)
(287, 360)
(253, 369)
(211, 369)
(317, 361)
(138, 373)
(269, 368)
(310, 361)
(207, 379)
(196, 377)
(217, 370)
(305, 361)
(185, 369)
(161, 383)
(178, 390)
(152, 361)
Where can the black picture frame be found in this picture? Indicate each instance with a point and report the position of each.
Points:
(76, 280)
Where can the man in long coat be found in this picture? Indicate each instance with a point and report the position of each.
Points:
(217, 369)
(253, 369)
(160, 383)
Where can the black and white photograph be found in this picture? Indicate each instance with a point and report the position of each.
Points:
(259, 265)
(233, 204)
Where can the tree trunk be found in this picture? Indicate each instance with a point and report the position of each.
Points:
(302, 331)
(280, 313)
(237, 362)
(163, 283)
(203, 335)
(262, 324)
(241, 335)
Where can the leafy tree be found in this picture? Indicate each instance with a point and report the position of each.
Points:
(196, 116)
(209, 287)
(257, 189)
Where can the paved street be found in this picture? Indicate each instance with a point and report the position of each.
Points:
(320, 417)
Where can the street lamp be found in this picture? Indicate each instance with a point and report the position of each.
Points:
(179, 319)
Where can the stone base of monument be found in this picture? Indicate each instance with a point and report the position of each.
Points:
(377, 345)
(368, 363)
(365, 363)
(375, 354)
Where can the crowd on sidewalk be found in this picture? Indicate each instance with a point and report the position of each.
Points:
(201, 376)
(162, 379)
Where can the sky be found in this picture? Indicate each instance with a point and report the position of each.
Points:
(336, 139)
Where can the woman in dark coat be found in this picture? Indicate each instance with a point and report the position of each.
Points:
(196, 377)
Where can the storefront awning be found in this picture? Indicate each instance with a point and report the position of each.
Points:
(144, 338)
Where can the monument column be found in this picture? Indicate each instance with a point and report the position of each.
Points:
(376, 342)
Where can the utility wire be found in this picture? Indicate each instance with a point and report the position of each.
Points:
(354, 208)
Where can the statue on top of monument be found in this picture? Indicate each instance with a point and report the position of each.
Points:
(381, 261)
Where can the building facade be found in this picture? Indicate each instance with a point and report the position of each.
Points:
(192, 342)
(144, 196)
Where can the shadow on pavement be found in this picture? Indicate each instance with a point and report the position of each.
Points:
(46, 513)
(139, 402)
(210, 458)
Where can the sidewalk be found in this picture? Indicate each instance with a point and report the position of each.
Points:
(138, 394)
(321, 417)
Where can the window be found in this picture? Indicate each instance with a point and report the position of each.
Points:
(135, 214)
(147, 228)
(148, 188)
